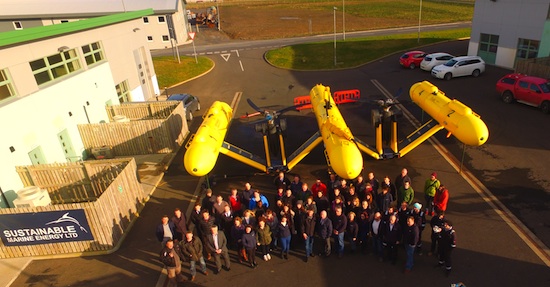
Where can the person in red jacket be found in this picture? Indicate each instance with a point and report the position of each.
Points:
(441, 198)
(319, 186)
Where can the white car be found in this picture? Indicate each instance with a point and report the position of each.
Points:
(432, 60)
(458, 67)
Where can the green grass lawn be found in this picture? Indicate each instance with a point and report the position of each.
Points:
(170, 72)
(353, 52)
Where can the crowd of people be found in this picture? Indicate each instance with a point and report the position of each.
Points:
(363, 216)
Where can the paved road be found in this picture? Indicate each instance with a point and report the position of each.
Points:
(489, 252)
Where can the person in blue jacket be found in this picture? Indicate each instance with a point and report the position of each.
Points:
(166, 230)
(253, 204)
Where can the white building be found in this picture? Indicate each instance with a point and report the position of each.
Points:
(506, 30)
(166, 27)
(55, 77)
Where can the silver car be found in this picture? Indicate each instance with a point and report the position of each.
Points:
(432, 60)
(190, 103)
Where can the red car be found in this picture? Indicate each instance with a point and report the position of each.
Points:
(412, 59)
(525, 89)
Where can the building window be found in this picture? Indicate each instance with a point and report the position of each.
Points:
(55, 66)
(17, 25)
(93, 53)
(6, 87)
(527, 49)
(488, 43)
(149, 38)
(146, 20)
(165, 38)
(162, 19)
(123, 92)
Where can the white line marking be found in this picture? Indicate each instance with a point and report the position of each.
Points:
(226, 56)
(242, 69)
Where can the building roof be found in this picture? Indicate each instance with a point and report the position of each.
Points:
(35, 33)
(38, 9)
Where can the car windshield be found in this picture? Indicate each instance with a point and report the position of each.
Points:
(545, 87)
(451, 63)
(405, 56)
(428, 58)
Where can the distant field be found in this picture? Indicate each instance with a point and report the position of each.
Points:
(268, 19)
(353, 52)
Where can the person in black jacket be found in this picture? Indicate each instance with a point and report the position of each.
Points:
(385, 199)
(284, 236)
(339, 224)
(436, 223)
(206, 222)
(352, 229)
(391, 238)
(321, 202)
(180, 223)
(249, 244)
(410, 239)
(324, 231)
(191, 248)
(170, 257)
(308, 231)
(447, 243)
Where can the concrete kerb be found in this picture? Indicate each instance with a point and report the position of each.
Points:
(188, 80)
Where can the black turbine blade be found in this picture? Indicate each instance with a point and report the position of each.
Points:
(291, 108)
(253, 105)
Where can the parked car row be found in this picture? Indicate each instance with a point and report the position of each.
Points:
(443, 65)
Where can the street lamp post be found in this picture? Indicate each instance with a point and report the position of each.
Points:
(344, 19)
(218, 14)
(419, 21)
(334, 14)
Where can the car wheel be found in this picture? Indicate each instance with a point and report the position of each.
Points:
(545, 107)
(198, 106)
(476, 73)
(448, 76)
(412, 66)
(507, 97)
(190, 117)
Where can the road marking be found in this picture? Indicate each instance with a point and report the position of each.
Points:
(538, 247)
(241, 63)
(226, 56)
(235, 102)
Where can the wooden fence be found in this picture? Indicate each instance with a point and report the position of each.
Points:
(538, 67)
(120, 199)
(154, 127)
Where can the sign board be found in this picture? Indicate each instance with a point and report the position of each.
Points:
(44, 227)
(192, 35)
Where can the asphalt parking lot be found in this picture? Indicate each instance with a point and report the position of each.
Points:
(489, 252)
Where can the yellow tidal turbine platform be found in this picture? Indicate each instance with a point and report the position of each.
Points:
(204, 147)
